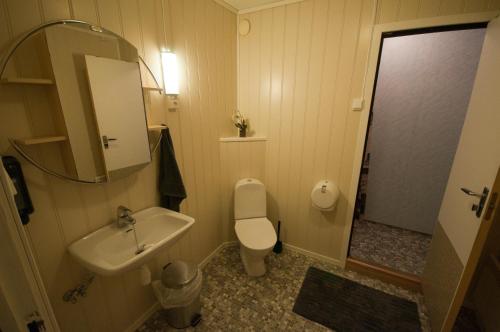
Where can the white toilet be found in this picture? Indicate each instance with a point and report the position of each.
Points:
(254, 231)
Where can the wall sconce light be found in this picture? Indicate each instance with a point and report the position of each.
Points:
(170, 78)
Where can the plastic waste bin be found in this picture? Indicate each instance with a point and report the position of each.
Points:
(178, 292)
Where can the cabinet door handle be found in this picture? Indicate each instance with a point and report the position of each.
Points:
(106, 140)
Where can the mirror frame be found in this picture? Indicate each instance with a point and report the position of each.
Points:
(7, 55)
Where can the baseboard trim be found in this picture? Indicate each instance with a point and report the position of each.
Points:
(286, 245)
(223, 245)
(402, 279)
(144, 317)
(313, 254)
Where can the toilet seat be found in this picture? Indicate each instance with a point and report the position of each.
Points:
(255, 233)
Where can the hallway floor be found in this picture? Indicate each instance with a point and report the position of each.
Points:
(400, 249)
(233, 301)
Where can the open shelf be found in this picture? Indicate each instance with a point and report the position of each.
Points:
(157, 127)
(21, 80)
(41, 140)
(242, 139)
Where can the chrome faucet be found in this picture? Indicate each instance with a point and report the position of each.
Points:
(123, 217)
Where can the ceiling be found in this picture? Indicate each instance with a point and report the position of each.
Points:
(247, 4)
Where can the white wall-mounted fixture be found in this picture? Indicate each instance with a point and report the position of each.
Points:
(244, 27)
(161, 227)
(357, 104)
(325, 195)
(170, 70)
(170, 73)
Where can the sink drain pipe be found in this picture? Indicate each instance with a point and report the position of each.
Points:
(80, 290)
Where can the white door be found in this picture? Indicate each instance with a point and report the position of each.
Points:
(23, 298)
(116, 91)
(478, 155)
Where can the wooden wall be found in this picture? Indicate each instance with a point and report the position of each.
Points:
(203, 34)
(299, 69)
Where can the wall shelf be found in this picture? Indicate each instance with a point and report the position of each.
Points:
(242, 139)
(41, 140)
(21, 80)
(157, 127)
(151, 88)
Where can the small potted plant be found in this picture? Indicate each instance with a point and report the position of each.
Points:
(241, 123)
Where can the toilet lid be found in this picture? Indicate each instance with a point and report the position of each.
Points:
(255, 233)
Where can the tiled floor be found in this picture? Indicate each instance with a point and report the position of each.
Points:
(233, 301)
(394, 247)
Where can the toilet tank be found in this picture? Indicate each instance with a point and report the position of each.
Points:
(249, 199)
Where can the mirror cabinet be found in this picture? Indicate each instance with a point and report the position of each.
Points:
(87, 90)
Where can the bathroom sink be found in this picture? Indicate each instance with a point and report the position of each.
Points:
(112, 250)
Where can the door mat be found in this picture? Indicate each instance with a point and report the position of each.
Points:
(345, 305)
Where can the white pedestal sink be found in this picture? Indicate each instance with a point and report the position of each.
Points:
(112, 250)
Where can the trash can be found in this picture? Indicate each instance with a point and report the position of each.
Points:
(179, 293)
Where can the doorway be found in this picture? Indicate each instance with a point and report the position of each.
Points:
(422, 87)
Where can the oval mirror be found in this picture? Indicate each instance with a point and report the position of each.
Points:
(73, 102)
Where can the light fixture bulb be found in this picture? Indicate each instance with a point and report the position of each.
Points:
(170, 73)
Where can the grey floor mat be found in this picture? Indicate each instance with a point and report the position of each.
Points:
(344, 305)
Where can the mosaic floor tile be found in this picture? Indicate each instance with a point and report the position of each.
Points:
(396, 248)
(233, 301)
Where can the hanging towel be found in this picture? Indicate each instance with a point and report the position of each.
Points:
(172, 190)
(20, 191)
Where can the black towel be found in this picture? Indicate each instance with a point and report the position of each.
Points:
(172, 190)
(22, 198)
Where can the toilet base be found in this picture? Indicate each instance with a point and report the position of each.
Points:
(254, 264)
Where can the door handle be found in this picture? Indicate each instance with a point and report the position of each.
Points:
(106, 140)
(482, 199)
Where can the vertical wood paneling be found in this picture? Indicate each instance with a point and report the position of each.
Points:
(494, 5)
(67, 211)
(475, 6)
(5, 29)
(388, 10)
(28, 10)
(265, 68)
(300, 66)
(316, 67)
(109, 15)
(84, 10)
(311, 60)
(428, 8)
(289, 87)
(408, 10)
(450, 7)
(55, 9)
(272, 147)
(290, 216)
(214, 231)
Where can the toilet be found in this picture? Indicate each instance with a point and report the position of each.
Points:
(255, 232)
